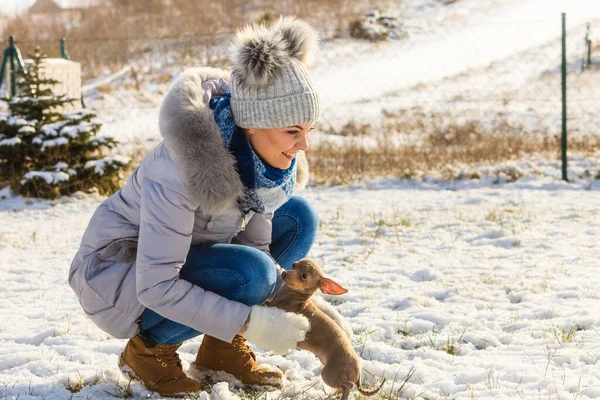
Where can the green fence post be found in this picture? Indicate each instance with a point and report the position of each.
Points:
(564, 97)
(63, 49)
(588, 43)
(4, 62)
(11, 46)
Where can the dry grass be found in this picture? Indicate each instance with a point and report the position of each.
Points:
(444, 145)
(351, 128)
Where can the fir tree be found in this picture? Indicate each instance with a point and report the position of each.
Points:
(47, 153)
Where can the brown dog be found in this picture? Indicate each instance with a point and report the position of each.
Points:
(325, 339)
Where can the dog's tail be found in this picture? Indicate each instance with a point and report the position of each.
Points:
(369, 393)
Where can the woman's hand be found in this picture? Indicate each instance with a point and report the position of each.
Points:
(274, 329)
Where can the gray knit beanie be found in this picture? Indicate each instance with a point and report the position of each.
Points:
(270, 87)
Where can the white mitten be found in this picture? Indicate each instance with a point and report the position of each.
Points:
(333, 314)
(274, 329)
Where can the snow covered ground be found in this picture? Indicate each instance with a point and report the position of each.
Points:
(476, 289)
(460, 291)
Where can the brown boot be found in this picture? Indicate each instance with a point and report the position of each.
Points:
(236, 359)
(157, 367)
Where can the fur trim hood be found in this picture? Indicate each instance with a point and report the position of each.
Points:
(192, 135)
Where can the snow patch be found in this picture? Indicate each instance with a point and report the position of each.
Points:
(60, 141)
(74, 131)
(51, 178)
(220, 391)
(101, 164)
(16, 121)
(26, 129)
(425, 275)
(52, 129)
(10, 141)
(61, 165)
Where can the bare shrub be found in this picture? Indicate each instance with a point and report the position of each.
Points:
(351, 128)
(267, 18)
(457, 134)
(358, 30)
(375, 27)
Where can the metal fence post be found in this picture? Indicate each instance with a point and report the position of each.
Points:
(564, 97)
(11, 46)
(588, 42)
(63, 49)
(4, 62)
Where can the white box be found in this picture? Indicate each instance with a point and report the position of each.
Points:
(68, 73)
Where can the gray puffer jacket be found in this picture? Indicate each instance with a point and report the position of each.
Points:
(183, 194)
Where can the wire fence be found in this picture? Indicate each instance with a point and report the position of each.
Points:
(450, 83)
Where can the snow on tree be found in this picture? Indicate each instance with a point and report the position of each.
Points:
(47, 153)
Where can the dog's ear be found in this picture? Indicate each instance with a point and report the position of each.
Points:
(328, 286)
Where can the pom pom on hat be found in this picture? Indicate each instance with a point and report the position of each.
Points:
(260, 53)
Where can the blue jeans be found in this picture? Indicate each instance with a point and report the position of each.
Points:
(217, 268)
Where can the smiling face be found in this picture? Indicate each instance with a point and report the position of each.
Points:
(278, 146)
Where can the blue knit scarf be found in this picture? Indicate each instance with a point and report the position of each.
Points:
(265, 188)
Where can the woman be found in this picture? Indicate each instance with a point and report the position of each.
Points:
(190, 244)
